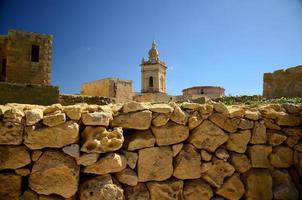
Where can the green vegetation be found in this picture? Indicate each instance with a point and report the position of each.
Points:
(257, 100)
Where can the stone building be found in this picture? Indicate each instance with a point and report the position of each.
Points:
(283, 83)
(25, 58)
(120, 90)
(203, 91)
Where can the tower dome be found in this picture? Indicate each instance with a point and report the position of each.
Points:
(153, 53)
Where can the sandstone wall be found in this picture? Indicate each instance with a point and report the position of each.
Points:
(150, 151)
(70, 99)
(283, 83)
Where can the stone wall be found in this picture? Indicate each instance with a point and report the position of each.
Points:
(150, 151)
(70, 99)
(283, 83)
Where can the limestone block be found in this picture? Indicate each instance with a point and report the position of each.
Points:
(207, 136)
(55, 137)
(130, 120)
(194, 120)
(284, 119)
(127, 176)
(236, 111)
(13, 115)
(283, 186)
(292, 140)
(238, 141)
(259, 156)
(232, 188)
(221, 108)
(271, 124)
(132, 158)
(33, 116)
(298, 162)
(217, 172)
(282, 157)
(134, 106)
(246, 124)
(10, 186)
(96, 118)
(99, 140)
(87, 159)
(205, 156)
(170, 189)
(22, 171)
(53, 108)
(190, 106)
(160, 120)
(72, 150)
(176, 148)
(54, 119)
(154, 163)
(110, 163)
(258, 184)
(100, 187)
(171, 133)
(35, 155)
(29, 195)
(227, 124)
(13, 157)
(298, 147)
(222, 154)
(252, 115)
(179, 116)
(197, 189)
(11, 133)
(138, 140)
(187, 163)
(259, 135)
(138, 192)
(275, 138)
(241, 162)
(55, 173)
(206, 109)
(74, 112)
(161, 108)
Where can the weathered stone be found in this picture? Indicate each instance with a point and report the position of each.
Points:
(29, 195)
(292, 140)
(283, 186)
(11, 133)
(10, 186)
(284, 119)
(100, 187)
(99, 140)
(221, 108)
(54, 119)
(35, 155)
(13, 157)
(97, 118)
(138, 192)
(258, 185)
(205, 109)
(236, 111)
(207, 136)
(160, 120)
(176, 148)
(230, 125)
(73, 150)
(282, 157)
(275, 138)
(197, 190)
(259, 133)
(187, 163)
(298, 147)
(33, 116)
(55, 173)
(87, 159)
(259, 156)
(13, 115)
(217, 172)
(170, 189)
(53, 108)
(240, 162)
(205, 156)
(232, 188)
(293, 131)
(252, 115)
(194, 120)
(127, 176)
(292, 108)
(161, 108)
(134, 106)
(74, 112)
(298, 162)
(171, 133)
(222, 154)
(246, 124)
(22, 171)
(132, 158)
(270, 124)
(138, 140)
(268, 112)
(238, 141)
(190, 106)
(154, 163)
(55, 137)
(179, 116)
(129, 120)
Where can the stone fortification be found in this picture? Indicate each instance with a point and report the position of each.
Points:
(150, 151)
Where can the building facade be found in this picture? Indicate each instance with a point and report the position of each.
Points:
(25, 57)
(203, 91)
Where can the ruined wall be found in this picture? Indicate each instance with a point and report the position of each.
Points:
(151, 151)
(283, 83)
(70, 99)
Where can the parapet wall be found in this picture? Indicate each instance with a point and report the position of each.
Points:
(150, 151)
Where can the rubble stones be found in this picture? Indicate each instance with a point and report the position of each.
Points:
(241, 162)
(197, 189)
(96, 118)
(283, 186)
(238, 141)
(179, 116)
(127, 176)
(221, 120)
(259, 133)
(10, 186)
(160, 120)
(232, 188)
(161, 108)
(11, 133)
(133, 107)
(259, 156)
(13, 157)
(170, 189)
(129, 120)
(138, 192)
(282, 157)
(54, 119)
(33, 116)
(139, 140)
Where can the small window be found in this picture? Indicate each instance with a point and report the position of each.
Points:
(201, 91)
(35, 53)
(150, 81)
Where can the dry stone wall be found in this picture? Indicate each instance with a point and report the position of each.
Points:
(141, 151)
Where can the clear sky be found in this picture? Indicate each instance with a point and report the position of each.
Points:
(228, 43)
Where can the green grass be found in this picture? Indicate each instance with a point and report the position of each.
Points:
(256, 100)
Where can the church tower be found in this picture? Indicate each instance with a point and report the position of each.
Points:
(153, 73)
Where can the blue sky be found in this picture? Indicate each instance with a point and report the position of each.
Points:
(228, 43)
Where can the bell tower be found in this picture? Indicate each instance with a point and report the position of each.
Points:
(153, 73)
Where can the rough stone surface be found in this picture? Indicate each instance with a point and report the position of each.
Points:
(222, 154)
(221, 120)
(207, 136)
(187, 163)
(171, 133)
(55, 173)
(110, 163)
(97, 118)
(10, 186)
(259, 135)
(252, 115)
(132, 158)
(221, 108)
(35, 155)
(22, 171)
(232, 188)
(73, 112)
(275, 138)
(170, 189)
(154, 164)
(160, 120)
(138, 192)
(134, 106)
(33, 116)
(283, 186)
(197, 190)
(241, 162)
(245, 124)
(127, 176)
(238, 141)
(138, 140)
(129, 120)
(87, 159)
(72, 150)
(176, 148)
(55, 137)
(11, 133)
(179, 116)
(285, 119)
(259, 156)
(194, 120)
(161, 108)
(13, 157)
(282, 157)
(205, 156)
(54, 119)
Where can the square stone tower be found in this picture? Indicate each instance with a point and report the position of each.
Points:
(153, 73)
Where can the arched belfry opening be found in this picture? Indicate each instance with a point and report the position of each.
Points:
(150, 81)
